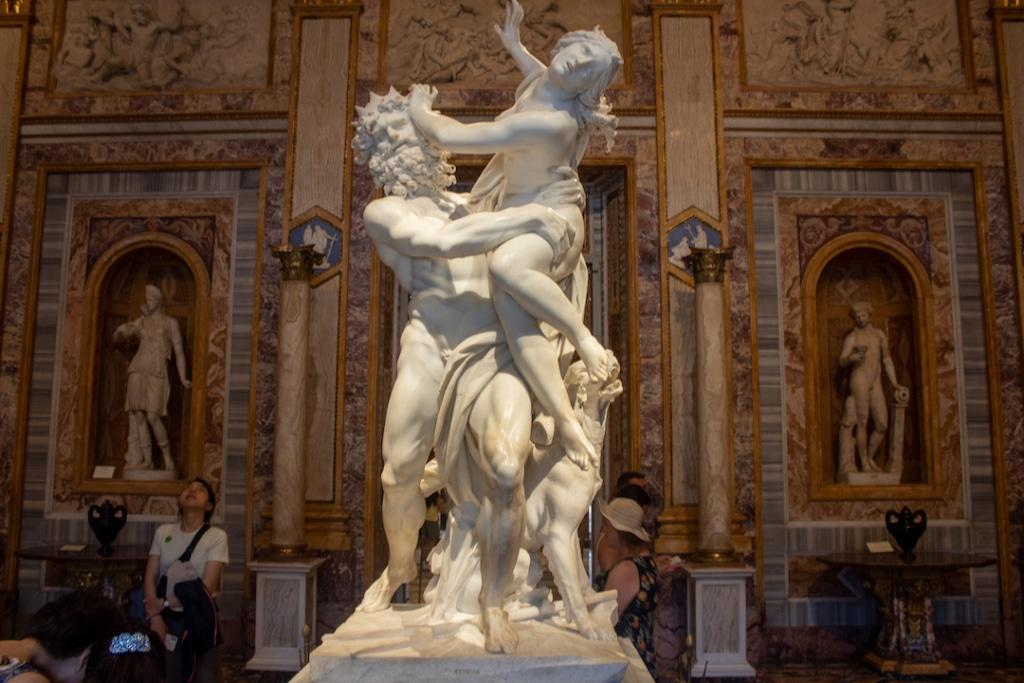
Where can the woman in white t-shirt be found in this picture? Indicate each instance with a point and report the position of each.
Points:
(195, 506)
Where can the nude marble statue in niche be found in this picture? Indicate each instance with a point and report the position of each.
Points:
(865, 419)
(149, 387)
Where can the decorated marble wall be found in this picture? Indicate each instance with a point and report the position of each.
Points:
(873, 108)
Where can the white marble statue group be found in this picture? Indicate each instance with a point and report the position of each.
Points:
(484, 377)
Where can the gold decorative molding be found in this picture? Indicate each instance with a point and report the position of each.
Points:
(866, 115)
(297, 262)
(1008, 5)
(709, 264)
(15, 8)
(687, 4)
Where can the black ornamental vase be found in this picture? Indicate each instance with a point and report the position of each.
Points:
(106, 521)
(906, 527)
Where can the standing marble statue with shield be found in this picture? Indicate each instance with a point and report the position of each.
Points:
(149, 386)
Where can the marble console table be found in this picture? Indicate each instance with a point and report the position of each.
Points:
(906, 637)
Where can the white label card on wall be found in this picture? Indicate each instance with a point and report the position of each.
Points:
(880, 547)
(103, 472)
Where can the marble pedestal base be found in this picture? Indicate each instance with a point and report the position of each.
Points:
(395, 645)
(718, 620)
(285, 605)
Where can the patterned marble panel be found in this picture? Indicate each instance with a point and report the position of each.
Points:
(689, 117)
(720, 633)
(322, 109)
(282, 599)
(10, 56)
(1013, 42)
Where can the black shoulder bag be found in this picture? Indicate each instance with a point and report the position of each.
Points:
(161, 586)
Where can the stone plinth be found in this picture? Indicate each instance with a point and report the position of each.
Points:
(398, 645)
(718, 620)
(285, 608)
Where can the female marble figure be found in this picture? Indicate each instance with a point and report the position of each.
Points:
(149, 386)
(866, 353)
(556, 110)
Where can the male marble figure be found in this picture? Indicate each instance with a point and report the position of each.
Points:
(536, 277)
(149, 386)
(865, 352)
(441, 264)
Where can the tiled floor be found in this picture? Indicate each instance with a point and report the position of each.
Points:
(849, 673)
(822, 673)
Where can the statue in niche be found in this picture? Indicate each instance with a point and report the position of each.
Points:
(149, 386)
(865, 353)
(498, 284)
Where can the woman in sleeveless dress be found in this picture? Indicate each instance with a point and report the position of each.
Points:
(634, 576)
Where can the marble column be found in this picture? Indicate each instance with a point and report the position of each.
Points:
(288, 532)
(714, 471)
(691, 199)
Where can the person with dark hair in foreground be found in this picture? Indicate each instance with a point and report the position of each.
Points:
(59, 640)
(132, 655)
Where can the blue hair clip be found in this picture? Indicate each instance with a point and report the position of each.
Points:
(129, 642)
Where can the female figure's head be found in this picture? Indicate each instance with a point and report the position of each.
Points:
(198, 496)
(132, 654)
(623, 528)
(583, 65)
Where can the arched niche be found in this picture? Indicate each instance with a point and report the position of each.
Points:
(115, 293)
(878, 270)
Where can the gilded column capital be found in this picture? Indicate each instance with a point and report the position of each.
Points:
(297, 262)
(15, 8)
(708, 264)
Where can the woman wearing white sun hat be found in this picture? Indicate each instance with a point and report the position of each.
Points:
(635, 576)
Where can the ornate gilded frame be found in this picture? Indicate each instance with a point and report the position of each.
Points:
(83, 482)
